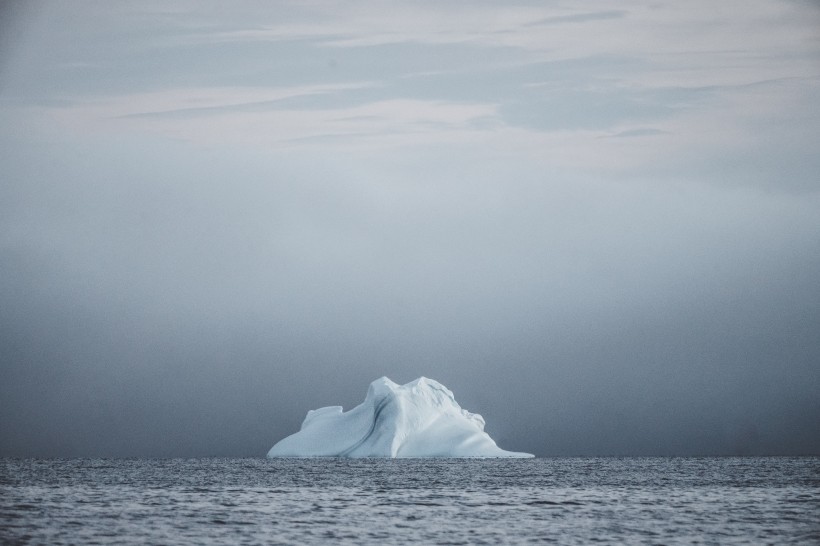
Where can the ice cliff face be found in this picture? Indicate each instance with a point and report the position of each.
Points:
(419, 419)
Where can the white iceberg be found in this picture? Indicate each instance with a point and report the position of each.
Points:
(419, 419)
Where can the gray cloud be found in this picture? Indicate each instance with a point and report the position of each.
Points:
(643, 131)
(581, 17)
(186, 270)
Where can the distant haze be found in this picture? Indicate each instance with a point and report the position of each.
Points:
(599, 226)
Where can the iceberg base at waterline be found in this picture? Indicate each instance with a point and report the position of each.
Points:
(419, 419)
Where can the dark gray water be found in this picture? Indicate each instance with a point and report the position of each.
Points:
(567, 501)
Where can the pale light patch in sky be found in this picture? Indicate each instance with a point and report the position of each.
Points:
(205, 120)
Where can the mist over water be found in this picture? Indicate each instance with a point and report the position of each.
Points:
(600, 228)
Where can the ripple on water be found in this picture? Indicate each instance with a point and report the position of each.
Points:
(198, 501)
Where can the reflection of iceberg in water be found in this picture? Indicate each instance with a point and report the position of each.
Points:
(419, 419)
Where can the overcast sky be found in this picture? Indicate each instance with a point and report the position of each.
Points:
(598, 223)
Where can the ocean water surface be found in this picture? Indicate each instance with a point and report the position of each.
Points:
(428, 501)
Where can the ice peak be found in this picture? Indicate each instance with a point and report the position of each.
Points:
(418, 419)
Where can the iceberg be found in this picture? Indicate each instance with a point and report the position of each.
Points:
(419, 419)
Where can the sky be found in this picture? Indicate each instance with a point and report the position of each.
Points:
(597, 223)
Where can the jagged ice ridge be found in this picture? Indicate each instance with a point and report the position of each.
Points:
(419, 419)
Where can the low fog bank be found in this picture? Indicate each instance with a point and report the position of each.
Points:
(194, 312)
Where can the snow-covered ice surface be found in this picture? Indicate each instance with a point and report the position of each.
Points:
(419, 419)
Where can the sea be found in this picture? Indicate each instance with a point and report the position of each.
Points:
(411, 501)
